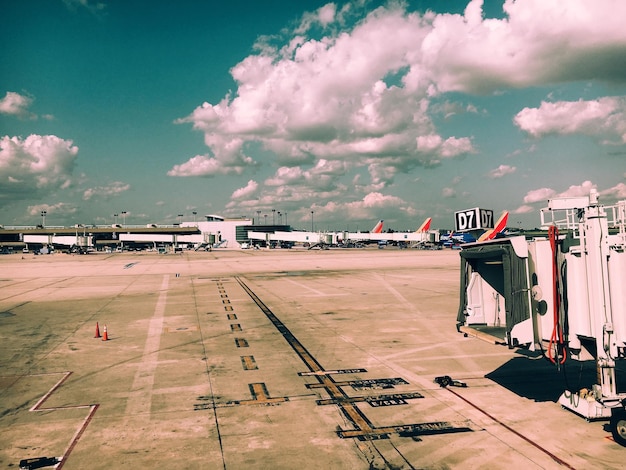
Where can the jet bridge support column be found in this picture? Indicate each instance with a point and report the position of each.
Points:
(595, 251)
(594, 233)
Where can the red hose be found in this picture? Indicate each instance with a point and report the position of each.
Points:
(556, 339)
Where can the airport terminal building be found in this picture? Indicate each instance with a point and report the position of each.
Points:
(213, 232)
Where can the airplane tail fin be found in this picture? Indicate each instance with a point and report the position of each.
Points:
(378, 228)
(425, 227)
(499, 227)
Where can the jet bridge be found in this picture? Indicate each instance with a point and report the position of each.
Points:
(564, 295)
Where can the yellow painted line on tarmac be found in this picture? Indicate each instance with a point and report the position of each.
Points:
(248, 363)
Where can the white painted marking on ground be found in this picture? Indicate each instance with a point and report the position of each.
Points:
(140, 397)
(303, 286)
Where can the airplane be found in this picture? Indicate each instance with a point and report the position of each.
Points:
(421, 236)
(499, 227)
(425, 227)
(376, 235)
(378, 228)
(454, 239)
(366, 237)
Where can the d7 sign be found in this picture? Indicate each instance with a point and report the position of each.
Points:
(473, 219)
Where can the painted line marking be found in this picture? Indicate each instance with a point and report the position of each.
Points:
(260, 396)
(408, 430)
(330, 372)
(376, 400)
(248, 363)
(181, 329)
(510, 429)
(364, 429)
(139, 401)
(79, 432)
(365, 384)
(303, 286)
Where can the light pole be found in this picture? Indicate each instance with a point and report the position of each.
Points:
(180, 219)
(273, 216)
(285, 218)
(312, 220)
(124, 218)
(43, 218)
(194, 217)
(258, 217)
(280, 218)
(115, 219)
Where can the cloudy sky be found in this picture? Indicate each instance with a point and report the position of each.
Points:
(355, 110)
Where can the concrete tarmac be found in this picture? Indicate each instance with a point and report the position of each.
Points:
(271, 359)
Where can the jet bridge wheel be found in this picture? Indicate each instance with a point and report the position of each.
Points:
(618, 425)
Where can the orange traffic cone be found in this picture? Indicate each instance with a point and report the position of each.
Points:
(105, 336)
(97, 331)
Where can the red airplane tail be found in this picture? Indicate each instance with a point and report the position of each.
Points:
(499, 227)
(425, 227)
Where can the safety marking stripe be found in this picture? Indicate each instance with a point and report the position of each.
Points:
(394, 399)
(223, 296)
(248, 363)
(241, 343)
(365, 384)
(365, 430)
(235, 327)
(79, 432)
(232, 316)
(329, 372)
(225, 301)
(260, 396)
(228, 308)
(408, 430)
(167, 329)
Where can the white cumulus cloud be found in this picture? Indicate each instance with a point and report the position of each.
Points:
(539, 195)
(113, 189)
(501, 171)
(247, 191)
(60, 209)
(36, 164)
(363, 87)
(543, 194)
(538, 41)
(604, 118)
(329, 98)
(616, 193)
(16, 105)
(369, 208)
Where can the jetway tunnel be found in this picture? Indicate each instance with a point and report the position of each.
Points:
(562, 295)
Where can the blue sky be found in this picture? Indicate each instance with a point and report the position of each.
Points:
(357, 111)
